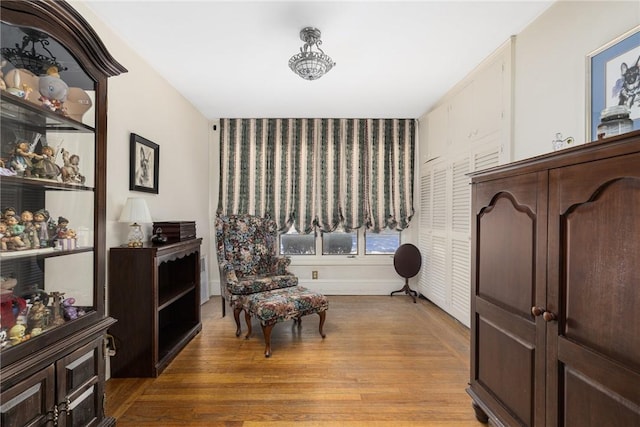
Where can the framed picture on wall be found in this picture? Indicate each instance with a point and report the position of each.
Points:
(613, 78)
(144, 164)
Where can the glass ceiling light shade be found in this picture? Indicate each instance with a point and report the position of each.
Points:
(135, 211)
(311, 64)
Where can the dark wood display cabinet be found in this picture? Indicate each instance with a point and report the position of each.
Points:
(154, 292)
(53, 122)
(555, 332)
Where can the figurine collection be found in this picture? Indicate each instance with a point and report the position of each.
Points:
(28, 315)
(37, 159)
(34, 230)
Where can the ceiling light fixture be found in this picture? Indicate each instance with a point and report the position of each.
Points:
(311, 64)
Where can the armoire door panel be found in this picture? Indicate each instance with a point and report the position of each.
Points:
(587, 403)
(620, 380)
(505, 367)
(598, 251)
(579, 183)
(506, 236)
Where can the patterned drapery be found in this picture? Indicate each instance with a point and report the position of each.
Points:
(319, 172)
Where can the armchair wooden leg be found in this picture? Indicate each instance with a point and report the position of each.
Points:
(247, 319)
(266, 331)
(323, 315)
(236, 316)
(224, 306)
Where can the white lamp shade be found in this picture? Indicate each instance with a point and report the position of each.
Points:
(135, 210)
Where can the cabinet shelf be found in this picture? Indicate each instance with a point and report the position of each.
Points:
(26, 113)
(44, 184)
(41, 253)
(168, 298)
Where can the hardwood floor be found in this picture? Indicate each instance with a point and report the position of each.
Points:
(385, 362)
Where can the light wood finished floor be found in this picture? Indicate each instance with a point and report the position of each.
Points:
(385, 362)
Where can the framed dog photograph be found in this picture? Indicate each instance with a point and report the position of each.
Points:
(144, 164)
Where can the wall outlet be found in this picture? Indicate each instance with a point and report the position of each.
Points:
(314, 274)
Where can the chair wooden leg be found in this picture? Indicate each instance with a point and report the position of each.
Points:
(266, 331)
(236, 317)
(224, 306)
(247, 319)
(323, 315)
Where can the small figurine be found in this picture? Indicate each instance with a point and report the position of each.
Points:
(70, 312)
(45, 167)
(4, 236)
(15, 233)
(56, 308)
(71, 170)
(17, 334)
(15, 83)
(53, 90)
(22, 159)
(8, 211)
(38, 316)
(30, 234)
(40, 219)
(61, 228)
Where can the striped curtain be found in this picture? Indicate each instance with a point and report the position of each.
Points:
(319, 172)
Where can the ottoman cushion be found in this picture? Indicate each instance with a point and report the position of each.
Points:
(284, 304)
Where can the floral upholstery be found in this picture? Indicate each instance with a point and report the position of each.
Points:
(284, 304)
(247, 257)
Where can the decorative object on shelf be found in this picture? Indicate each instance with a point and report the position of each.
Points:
(71, 169)
(175, 231)
(27, 56)
(53, 90)
(21, 83)
(44, 166)
(78, 102)
(135, 210)
(613, 78)
(615, 120)
(311, 64)
(144, 167)
(559, 143)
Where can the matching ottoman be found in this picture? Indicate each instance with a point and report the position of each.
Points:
(283, 304)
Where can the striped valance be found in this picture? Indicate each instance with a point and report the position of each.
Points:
(319, 172)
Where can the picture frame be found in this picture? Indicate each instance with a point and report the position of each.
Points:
(606, 82)
(144, 164)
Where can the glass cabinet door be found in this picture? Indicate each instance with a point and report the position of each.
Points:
(47, 188)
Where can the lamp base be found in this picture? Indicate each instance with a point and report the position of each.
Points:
(136, 236)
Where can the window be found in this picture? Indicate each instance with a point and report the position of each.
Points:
(340, 243)
(385, 242)
(294, 243)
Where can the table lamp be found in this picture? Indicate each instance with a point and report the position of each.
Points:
(135, 210)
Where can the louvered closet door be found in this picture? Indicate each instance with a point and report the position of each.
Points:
(445, 229)
(460, 257)
(437, 264)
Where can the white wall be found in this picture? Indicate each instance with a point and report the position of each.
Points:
(550, 69)
(142, 102)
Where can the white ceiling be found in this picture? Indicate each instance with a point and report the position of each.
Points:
(395, 59)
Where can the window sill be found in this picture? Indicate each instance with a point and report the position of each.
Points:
(317, 260)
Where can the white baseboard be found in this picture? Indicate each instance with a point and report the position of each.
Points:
(344, 287)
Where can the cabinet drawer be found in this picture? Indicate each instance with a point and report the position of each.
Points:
(29, 402)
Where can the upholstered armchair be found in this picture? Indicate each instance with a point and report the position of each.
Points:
(248, 260)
